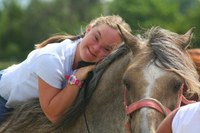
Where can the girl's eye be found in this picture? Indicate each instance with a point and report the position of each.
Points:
(107, 49)
(96, 38)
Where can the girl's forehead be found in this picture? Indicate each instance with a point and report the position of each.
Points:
(108, 35)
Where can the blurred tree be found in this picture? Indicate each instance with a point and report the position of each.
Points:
(193, 19)
(44, 19)
(22, 27)
(85, 9)
(142, 13)
(171, 14)
(10, 24)
(185, 5)
(41, 19)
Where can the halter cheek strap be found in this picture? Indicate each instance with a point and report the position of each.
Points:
(182, 98)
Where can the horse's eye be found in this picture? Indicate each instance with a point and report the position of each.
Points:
(126, 84)
(176, 84)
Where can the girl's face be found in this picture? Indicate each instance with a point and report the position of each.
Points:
(98, 42)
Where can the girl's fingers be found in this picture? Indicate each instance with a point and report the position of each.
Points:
(82, 73)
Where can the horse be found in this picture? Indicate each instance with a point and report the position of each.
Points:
(132, 90)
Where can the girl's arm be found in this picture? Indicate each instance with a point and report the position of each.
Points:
(54, 102)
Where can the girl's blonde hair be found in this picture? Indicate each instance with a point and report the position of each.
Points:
(111, 21)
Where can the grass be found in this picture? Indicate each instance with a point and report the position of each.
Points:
(5, 64)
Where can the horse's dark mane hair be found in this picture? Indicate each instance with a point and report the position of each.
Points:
(86, 92)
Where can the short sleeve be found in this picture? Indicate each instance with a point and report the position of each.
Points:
(187, 119)
(50, 68)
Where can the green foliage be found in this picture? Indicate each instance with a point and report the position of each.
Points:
(142, 13)
(26, 26)
(175, 15)
(6, 64)
(193, 17)
(22, 27)
(10, 24)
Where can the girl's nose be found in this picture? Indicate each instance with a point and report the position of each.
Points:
(96, 48)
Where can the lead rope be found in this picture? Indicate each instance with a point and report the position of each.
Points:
(85, 118)
(90, 75)
(86, 123)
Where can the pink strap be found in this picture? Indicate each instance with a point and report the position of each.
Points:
(186, 101)
(146, 103)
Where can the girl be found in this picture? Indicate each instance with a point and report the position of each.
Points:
(46, 68)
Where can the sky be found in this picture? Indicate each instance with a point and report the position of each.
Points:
(22, 2)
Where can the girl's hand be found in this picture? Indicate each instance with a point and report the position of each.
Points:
(82, 72)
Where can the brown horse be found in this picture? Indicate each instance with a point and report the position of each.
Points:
(137, 85)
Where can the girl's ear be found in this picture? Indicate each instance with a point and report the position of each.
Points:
(88, 29)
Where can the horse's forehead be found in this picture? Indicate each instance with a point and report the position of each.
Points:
(151, 74)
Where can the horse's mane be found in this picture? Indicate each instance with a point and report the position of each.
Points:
(172, 56)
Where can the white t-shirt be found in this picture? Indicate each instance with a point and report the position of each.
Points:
(187, 119)
(51, 63)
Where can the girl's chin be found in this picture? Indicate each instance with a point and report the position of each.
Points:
(88, 58)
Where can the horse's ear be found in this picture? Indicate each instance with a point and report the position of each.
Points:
(185, 39)
(128, 38)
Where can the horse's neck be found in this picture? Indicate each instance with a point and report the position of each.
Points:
(111, 80)
(106, 105)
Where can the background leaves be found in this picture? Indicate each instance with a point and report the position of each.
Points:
(22, 26)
